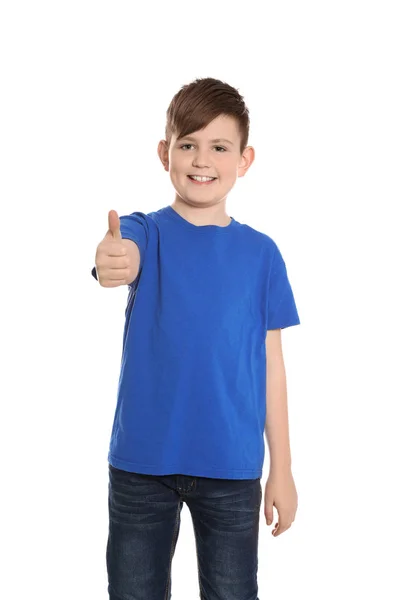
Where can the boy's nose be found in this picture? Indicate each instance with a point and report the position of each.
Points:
(201, 164)
(201, 160)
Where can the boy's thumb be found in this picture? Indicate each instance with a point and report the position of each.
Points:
(114, 225)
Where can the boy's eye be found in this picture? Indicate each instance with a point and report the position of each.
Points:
(221, 147)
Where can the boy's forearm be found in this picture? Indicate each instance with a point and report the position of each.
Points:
(277, 418)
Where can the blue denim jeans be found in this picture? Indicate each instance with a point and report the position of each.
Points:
(144, 520)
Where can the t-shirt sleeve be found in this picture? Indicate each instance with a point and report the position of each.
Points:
(134, 227)
(282, 311)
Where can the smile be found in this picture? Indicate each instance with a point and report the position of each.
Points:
(201, 180)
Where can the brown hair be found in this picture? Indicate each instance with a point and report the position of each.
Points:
(196, 104)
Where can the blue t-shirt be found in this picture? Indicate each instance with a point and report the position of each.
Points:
(192, 386)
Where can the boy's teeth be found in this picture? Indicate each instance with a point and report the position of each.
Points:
(201, 178)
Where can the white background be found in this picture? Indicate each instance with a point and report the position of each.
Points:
(333, 93)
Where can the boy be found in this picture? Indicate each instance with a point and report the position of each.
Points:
(202, 372)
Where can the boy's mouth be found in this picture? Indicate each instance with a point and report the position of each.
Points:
(205, 182)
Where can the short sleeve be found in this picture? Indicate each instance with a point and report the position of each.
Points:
(282, 311)
(136, 228)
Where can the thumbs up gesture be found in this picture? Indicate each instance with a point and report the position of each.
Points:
(114, 232)
(112, 260)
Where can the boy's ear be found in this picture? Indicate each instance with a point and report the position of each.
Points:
(246, 161)
(163, 154)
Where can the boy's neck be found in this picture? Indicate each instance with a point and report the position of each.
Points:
(202, 215)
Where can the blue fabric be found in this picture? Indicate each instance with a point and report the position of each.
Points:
(144, 524)
(192, 387)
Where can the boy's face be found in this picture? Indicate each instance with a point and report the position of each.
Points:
(198, 154)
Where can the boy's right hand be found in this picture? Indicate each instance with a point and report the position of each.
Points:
(112, 260)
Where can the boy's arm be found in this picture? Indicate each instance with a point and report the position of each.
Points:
(277, 419)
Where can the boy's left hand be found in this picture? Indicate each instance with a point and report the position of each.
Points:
(280, 491)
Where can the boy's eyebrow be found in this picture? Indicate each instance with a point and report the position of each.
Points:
(190, 137)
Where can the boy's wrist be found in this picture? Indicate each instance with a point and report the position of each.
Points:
(281, 466)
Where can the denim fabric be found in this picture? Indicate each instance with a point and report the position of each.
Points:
(144, 521)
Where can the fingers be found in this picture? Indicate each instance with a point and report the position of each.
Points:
(112, 259)
(116, 251)
(110, 283)
(278, 530)
(114, 225)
